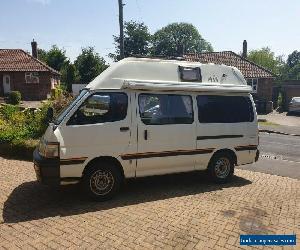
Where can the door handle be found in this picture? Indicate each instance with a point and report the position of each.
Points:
(123, 129)
(146, 134)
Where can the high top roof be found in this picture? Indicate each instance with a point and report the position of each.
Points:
(145, 73)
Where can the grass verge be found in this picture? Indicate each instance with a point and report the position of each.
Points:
(267, 123)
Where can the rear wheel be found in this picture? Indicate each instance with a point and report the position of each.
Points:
(102, 181)
(221, 167)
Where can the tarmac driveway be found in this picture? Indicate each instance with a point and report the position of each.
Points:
(177, 211)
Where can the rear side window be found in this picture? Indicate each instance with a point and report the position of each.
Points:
(100, 108)
(224, 109)
(159, 109)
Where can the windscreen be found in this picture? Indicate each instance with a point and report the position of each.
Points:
(67, 109)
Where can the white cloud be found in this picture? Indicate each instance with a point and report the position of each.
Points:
(44, 2)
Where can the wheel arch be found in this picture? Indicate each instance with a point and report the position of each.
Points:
(106, 159)
(225, 151)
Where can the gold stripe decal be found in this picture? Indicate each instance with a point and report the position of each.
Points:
(167, 153)
(246, 147)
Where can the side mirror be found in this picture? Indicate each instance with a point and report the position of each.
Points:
(50, 114)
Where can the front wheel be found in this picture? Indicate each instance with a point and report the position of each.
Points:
(221, 167)
(102, 181)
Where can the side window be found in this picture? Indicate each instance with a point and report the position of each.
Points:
(159, 109)
(224, 109)
(100, 108)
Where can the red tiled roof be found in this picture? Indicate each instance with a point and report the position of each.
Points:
(249, 69)
(19, 60)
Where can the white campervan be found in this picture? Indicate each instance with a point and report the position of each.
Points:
(144, 117)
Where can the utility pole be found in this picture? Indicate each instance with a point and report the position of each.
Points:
(121, 29)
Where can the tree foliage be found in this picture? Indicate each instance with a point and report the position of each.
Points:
(293, 66)
(89, 65)
(56, 58)
(178, 38)
(293, 59)
(267, 59)
(69, 75)
(136, 40)
(86, 67)
(42, 55)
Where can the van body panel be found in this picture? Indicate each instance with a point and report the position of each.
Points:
(228, 136)
(95, 140)
(245, 157)
(145, 149)
(168, 148)
(165, 140)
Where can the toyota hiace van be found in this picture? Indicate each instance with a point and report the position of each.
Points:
(144, 117)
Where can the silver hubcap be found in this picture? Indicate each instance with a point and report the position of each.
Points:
(101, 182)
(222, 168)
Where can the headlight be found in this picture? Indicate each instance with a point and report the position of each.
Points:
(48, 149)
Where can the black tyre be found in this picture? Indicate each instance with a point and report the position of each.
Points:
(221, 167)
(102, 181)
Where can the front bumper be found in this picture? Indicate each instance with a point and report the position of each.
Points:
(47, 169)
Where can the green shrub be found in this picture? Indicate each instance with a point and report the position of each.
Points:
(21, 125)
(14, 97)
(20, 130)
(61, 102)
(7, 110)
(56, 93)
(17, 126)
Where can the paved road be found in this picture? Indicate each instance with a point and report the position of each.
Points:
(285, 147)
(280, 155)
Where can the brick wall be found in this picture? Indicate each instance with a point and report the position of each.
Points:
(29, 91)
(1, 84)
(265, 89)
(264, 95)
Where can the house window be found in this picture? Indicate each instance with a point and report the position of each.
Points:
(253, 83)
(32, 77)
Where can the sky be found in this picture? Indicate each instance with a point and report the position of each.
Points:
(73, 24)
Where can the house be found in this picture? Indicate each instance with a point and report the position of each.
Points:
(258, 77)
(20, 71)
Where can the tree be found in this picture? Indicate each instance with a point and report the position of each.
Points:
(292, 70)
(266, 58)
(293, 59)
(42, 55)
(294, 73)
(136, 40)
(69, 75)
(56, 58)
(177, 39)
(89, 65)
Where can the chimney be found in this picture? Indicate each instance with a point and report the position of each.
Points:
(245, 49)
(34, 49)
